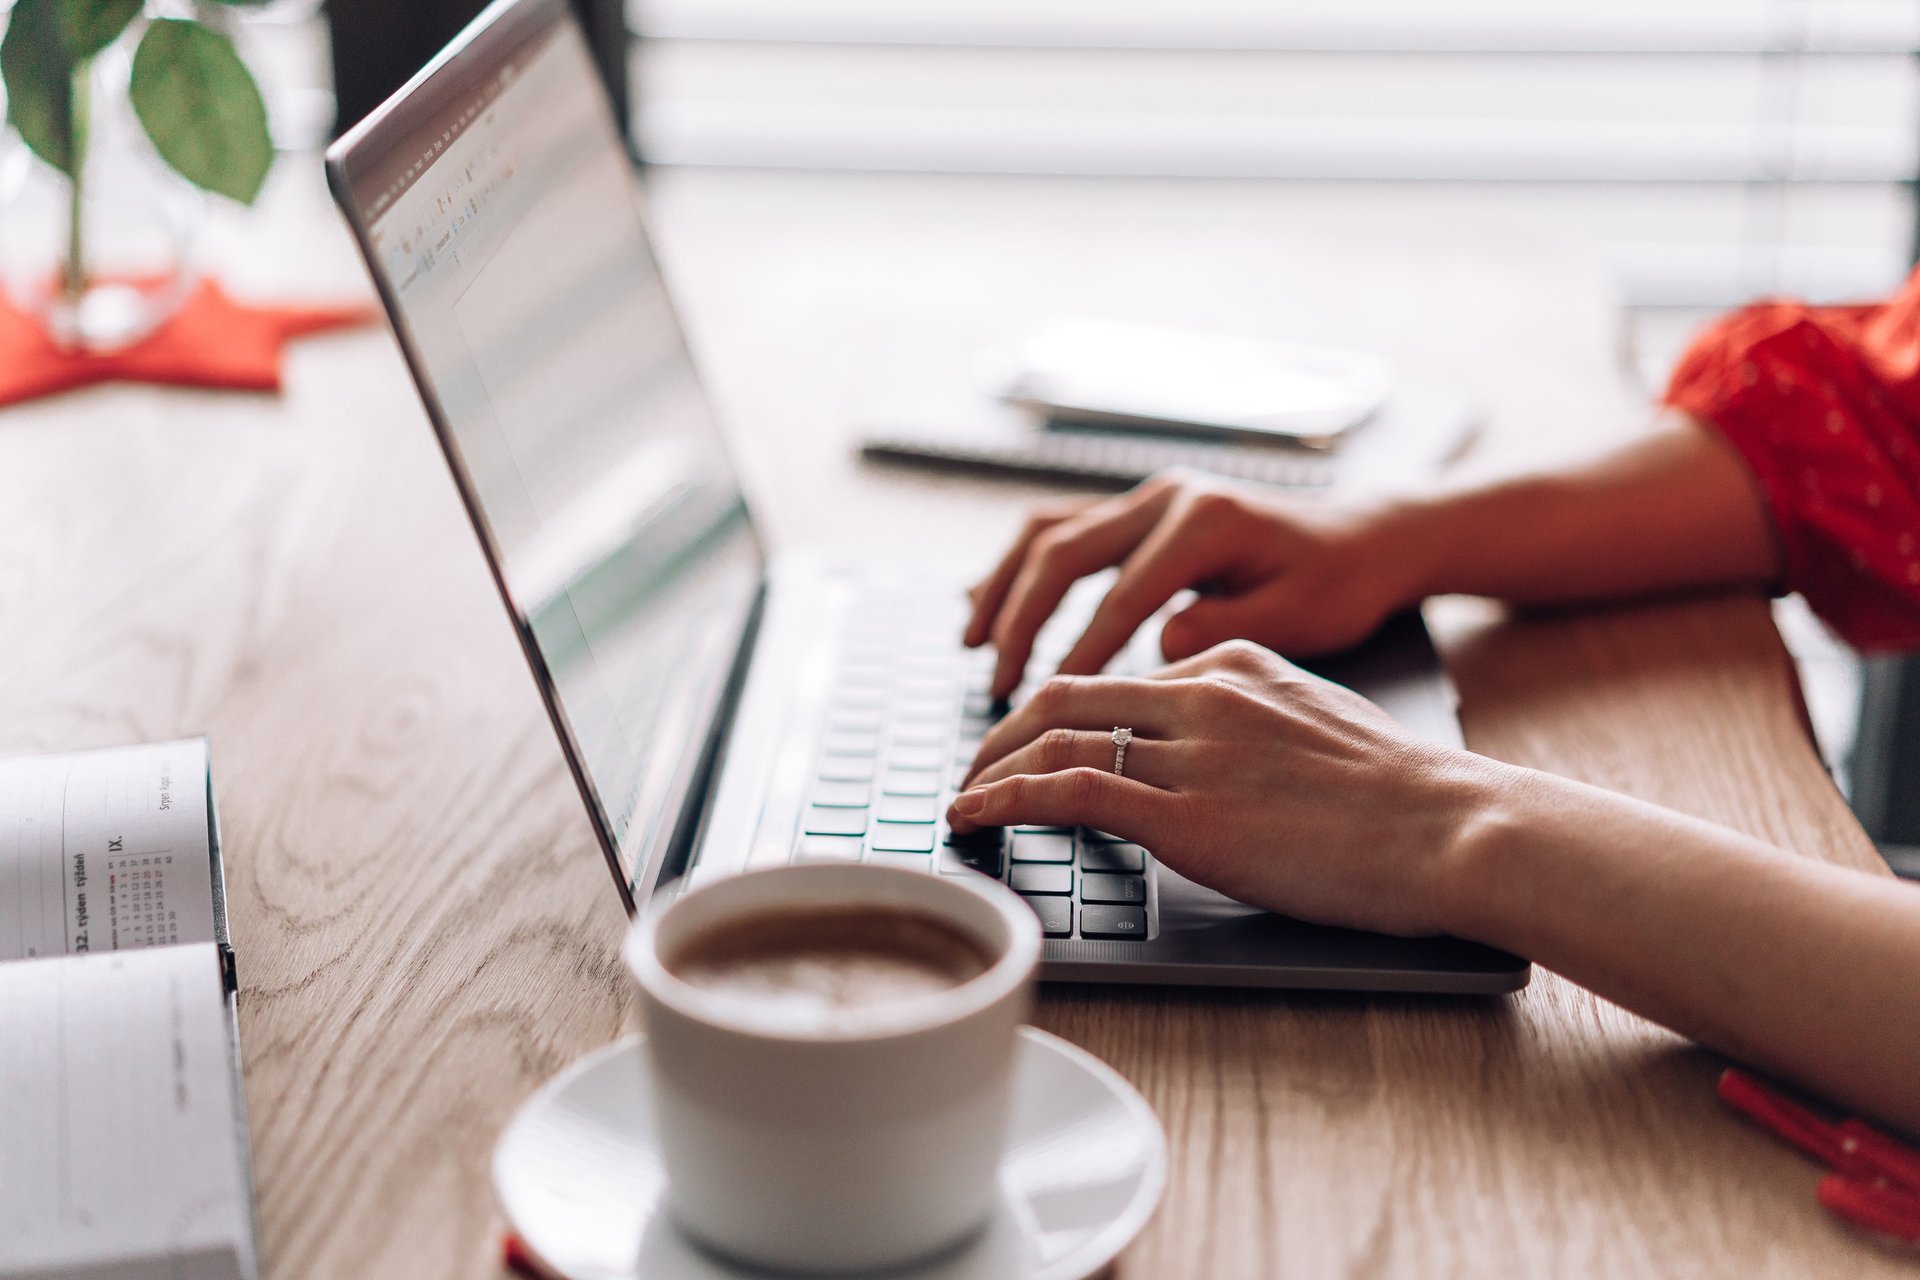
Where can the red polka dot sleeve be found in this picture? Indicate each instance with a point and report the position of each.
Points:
(1824, 405)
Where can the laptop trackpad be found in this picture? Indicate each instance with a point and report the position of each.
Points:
(1200, 927)
(1399, 670)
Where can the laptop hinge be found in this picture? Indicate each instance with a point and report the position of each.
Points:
(697, 807)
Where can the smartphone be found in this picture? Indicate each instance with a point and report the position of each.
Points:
(1115, 376)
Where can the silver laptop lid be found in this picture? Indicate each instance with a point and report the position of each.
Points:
(495, 205)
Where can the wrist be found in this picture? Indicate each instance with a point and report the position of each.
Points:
(1480, 873)
(1412, 544)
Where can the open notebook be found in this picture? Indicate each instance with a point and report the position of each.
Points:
(123, 1140)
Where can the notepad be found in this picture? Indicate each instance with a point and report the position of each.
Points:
(123, 1141)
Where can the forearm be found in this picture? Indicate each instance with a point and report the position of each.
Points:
(1800, 968)
(1671, 511)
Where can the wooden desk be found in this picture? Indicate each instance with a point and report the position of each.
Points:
(426, 931)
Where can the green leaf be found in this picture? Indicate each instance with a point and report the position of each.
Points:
(88, 26)
(199, 104)
(38, 73)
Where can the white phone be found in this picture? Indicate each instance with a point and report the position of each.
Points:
(1097, 373)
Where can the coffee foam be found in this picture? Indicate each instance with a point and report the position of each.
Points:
(828, 971)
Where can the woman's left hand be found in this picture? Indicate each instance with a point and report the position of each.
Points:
(1249, 775)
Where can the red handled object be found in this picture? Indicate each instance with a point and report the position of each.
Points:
(1875, 1183)
(517, 1258)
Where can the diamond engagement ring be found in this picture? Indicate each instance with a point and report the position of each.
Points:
(1121, 737)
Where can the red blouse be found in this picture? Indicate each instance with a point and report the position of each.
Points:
(1824, 405)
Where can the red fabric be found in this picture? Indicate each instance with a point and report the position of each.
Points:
(212, 341)
(1824, 405)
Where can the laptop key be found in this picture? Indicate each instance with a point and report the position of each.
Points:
(856, 720)
(1056, 915)
(917, 758)
(1129, 858)
(842, 795)
(905, 861)
(1041, 878)
(1088, 834)
(845, 769)
(1099, 887)
(911, 782)
(836, 822)
(1112, 922)
(993, 836)
(933, 734)
(907, 809)
(901, 837)
(1030, 847)
(828, 849)
(850, 744)
(986, 860)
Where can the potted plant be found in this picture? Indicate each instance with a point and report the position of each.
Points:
(90, 84)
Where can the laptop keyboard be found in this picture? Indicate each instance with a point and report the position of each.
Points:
(905, 715)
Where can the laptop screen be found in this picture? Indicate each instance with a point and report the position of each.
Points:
(498, 208)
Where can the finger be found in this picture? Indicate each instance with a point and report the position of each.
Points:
(1168, 560)
(1056, 559)
(1078, 797)
(1214, 620)
(1231, 658)
(1148, 760)
(1081, 702)
(991, 590)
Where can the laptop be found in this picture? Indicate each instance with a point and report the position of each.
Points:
(722, 709)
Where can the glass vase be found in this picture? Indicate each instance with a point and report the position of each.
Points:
(102, 262)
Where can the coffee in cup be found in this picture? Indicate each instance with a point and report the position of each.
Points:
(830, 970)
(831, 1049)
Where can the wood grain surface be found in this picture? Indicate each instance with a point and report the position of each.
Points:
(425, 927)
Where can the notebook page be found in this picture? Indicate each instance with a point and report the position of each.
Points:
(123, 1140)
(103, 850)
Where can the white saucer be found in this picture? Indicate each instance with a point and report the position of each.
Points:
(579, 1176)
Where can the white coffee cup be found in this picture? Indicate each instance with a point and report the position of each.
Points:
(839, 1151)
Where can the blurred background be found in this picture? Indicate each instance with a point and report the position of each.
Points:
(1711, 150)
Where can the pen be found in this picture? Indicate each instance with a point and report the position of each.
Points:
(1875, 1183)
(517, 1258)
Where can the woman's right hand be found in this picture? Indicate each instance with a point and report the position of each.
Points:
(1297, 576)
(1253, 777)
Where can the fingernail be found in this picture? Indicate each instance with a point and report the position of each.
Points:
(968, 803)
